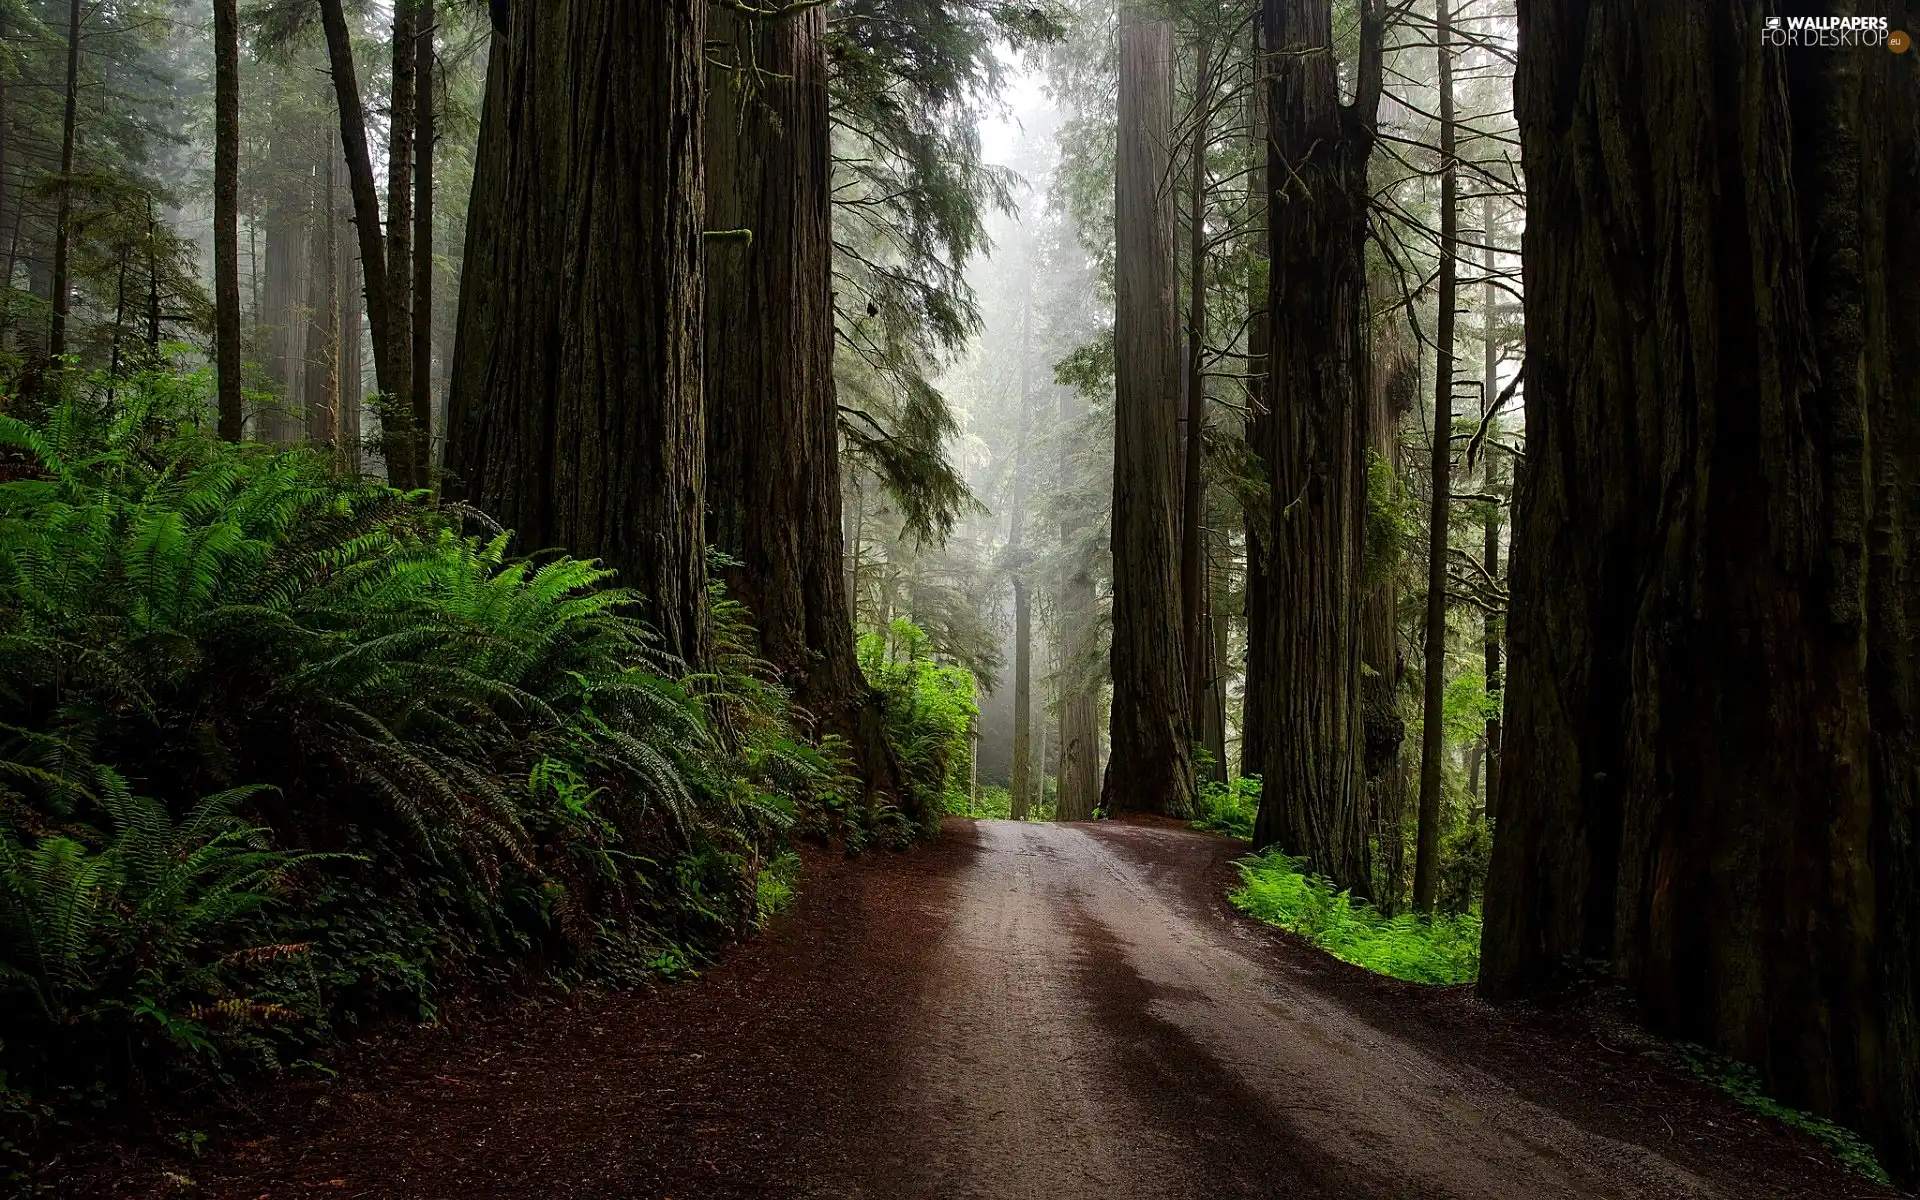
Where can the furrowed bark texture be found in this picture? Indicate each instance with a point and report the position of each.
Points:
(575, 413)
(1259, 400)
(1710, 770)
(1306, 653)
(1079, 787)
(1151, 768)
(773, 433)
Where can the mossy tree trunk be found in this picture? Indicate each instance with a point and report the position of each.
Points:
(575, 414)
(1711, 758)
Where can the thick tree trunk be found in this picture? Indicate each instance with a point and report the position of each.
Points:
(63, 220)
(1307, 656)
(575, 413)
(388, 362)
(1151, 769)
(421, 342)
(1433, 740)
(1711, 762)
(226, 219)
(773, 435)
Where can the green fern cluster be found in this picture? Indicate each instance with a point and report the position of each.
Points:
(930, 711)
(488, 766)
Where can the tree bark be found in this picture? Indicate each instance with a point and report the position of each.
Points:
(422, 333)
(1078, 789)
(320, 402)
(1433, 740)
(1258, 520)
(400, 436)
(1397, 375)
(1711, 772)
(1307, 640)
(281, 308)
(1193, 483)
(63, 220)
(388, 361)
(773, 435)
(349, 323)
(1495, 481)
(575, 414)
(226, 219)
(1151, 769)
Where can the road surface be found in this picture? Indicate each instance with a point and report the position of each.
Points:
(1021, 1011)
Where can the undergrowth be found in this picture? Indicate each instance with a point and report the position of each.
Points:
(1742, 1082)
(1444, 948)
(929, 711)
(1229, 808)
(285, 753)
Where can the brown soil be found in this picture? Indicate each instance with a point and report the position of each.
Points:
(1016, 1011)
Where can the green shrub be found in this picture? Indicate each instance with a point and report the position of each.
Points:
(930, 712)
(482, 769)
(1439, 949)
(1230, 808)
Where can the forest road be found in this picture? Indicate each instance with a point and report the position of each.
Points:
(1021, 1011)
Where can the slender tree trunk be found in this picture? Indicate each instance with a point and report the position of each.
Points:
(1711, 775)
(575, 414)
(283, 297)
(400, 436)
(1396, 391)
(388, 357)
(1433, 742)
(1151, 769)
(226, 218)
(1022, 775)
(1193, 482)
(153, 285)
(1314, 797)
(1257, 431)
(1079, 787)
(62, 223)
(1491, 473)
(422, 336)
(321, 393)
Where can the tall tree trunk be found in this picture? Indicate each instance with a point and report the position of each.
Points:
(575, 413)
(1078, 789)
(1711, 773)
(320, 402)
(1258, 518)
(1193, 489)
(1492, 474)
(350, 323)
(1151, 769)
(388, 360)
(1433, 740)
(284, 293)
(1020, 781)
(1396, 391)
(226, 218)
(1314, 799)
(774, 487)
(1212, 715)
(400, 436)
(63, 220)
(422, 335)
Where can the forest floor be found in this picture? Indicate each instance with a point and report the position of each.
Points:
(1018, 1010)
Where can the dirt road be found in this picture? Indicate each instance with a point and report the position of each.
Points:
(1023, 1010)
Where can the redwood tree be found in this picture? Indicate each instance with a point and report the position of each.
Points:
(226, 218)
(1151, 764)
(1711, 763)
(1305, 626)
(773, 435)
(575, 409)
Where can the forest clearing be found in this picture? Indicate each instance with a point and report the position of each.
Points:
(1118, 598)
